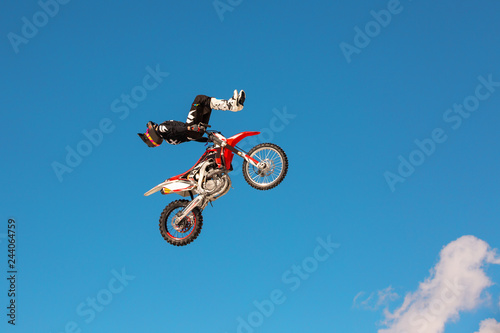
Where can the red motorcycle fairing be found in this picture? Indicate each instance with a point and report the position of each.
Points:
(226, 153)
(233, 141)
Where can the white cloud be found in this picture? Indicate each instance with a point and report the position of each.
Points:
(455, 284)
(375, 300)
(489, 326)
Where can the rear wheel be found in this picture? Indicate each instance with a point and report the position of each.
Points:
(182, 232)
(272, 169)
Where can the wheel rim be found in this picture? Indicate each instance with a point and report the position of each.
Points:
(183, 229)
(269, 169)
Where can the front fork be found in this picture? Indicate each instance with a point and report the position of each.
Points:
(245, 156)
(261, 166)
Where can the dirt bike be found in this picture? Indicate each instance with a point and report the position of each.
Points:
(264, 167)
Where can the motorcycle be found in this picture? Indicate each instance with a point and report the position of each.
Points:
(264, 167)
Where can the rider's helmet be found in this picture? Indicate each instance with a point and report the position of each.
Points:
(151, 137)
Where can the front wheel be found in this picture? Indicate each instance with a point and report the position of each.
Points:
(182, 232)
(272, 169)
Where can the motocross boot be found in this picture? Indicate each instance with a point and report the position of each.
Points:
(234, 104)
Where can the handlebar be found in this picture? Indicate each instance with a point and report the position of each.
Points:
(200, 127)
(204, 125)
(211, 137)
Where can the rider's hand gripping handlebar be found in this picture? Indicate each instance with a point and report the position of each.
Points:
(201, 127)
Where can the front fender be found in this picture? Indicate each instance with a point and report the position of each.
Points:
(233, 141)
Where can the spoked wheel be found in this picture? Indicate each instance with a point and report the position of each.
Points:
(272, 168)
(182, 232)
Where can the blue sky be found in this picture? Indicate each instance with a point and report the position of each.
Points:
(348, 120)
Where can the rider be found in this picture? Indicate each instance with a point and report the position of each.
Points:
(175, 132)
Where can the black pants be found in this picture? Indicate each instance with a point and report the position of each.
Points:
(200, 111)
(175, 132)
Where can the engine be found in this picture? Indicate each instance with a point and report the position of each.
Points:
(217, 184)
